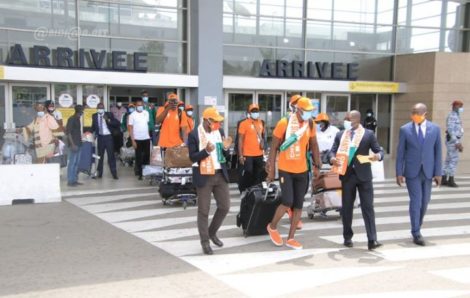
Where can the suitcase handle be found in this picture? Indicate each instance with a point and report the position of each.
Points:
(267, 191)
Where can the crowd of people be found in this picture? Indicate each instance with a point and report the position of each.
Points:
(301, 143)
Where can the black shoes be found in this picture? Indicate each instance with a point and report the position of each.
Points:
(371, 245)
(419, 241)
(451, 182)
(217, 241)
(206, 248)
(444, 180)
(348, 243)
(140, 178)
(115, 177)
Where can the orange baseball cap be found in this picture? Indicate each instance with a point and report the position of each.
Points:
(189, 107)
(322, 117)
(172, 96)
(253, 106)
(212, 113)
(305, 104)
(457, 103)
(294, 99)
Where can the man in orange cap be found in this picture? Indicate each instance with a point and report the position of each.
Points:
(325, 135)
(251, 145)
(454, 134)
(294, 136)
(208, 150)
(173, 129)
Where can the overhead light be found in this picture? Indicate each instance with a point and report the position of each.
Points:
(285, 40)
(352, 43)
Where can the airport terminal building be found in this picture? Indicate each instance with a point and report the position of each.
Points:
(382, 55)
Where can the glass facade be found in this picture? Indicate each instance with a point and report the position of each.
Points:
(156, 27)
(369, 32)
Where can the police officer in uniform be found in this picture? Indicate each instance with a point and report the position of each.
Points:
(454, 134)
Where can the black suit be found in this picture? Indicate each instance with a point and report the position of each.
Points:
(105, 142)
(358, 177)
(206, 185)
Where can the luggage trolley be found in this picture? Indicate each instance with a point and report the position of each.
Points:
(176, 185)
(326, 194)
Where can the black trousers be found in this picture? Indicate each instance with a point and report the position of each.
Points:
(251, 173)
(366, 196)
(105, 143)
(142, 155)
(118, 142)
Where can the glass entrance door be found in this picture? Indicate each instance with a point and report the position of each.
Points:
(24, 99)
(270, 105)
(337, 105)
(238, 103)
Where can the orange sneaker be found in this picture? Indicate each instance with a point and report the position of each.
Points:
(275, 236)
(294, 244)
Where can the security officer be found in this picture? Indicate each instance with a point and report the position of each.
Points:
(454, 134)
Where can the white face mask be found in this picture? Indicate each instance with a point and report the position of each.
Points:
(40, 114)
(460, 110)
(181, 108)
(254, 116)
(119, 104)
(347, 124)
(145, 99)
(369, 114)
(101, 111)
(189, 113)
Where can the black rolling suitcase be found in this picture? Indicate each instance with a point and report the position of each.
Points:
(257, 209)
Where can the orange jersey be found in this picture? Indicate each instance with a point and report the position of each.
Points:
(287, 164)
(170, 129)
(190, 124)
(250, 129)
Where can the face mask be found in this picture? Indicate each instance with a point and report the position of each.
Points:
(189, 113)
(306, 115)
(254, 116)
(119, 104)
(418, 118)
(51, 109)
(215, 126)
(181, 108)
(140, 108)
(100, 111)
(460, 110)
(369, 114)
(145, 99)
(347, 124)
(41, 114)
(131, 110)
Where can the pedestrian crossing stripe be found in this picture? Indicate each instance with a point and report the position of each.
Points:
(173, 230)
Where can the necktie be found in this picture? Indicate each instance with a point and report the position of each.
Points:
(420, 135)
(101, 125)
(352, 134)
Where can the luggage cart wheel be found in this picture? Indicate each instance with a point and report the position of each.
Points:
(310, 216)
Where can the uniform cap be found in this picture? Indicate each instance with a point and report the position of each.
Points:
(253, 106)
(457, 103)
(294, 98)
(322, 117)
(305, 104)
(172, 96)
(189, 107)
(212, 113)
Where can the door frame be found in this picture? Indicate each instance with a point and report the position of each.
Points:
(9, 98)
(226, 96)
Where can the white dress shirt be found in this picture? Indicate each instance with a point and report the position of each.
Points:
(423, 128)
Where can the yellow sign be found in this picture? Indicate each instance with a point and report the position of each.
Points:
(2, 73)
(66, 114)
(87, 116)
(376, 87)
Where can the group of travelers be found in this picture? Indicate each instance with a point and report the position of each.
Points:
(301, 143)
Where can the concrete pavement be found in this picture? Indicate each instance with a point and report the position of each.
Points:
(103, 242)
